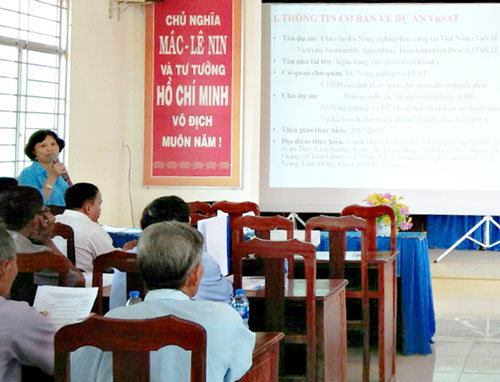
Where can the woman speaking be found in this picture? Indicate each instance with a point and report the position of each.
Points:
(46, 173)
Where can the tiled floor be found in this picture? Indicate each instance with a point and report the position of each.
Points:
(467, 339)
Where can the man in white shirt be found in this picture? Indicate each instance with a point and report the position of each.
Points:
(83, 208)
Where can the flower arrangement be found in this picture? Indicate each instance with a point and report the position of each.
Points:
(403, 221)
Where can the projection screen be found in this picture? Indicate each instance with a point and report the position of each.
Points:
(401, 98)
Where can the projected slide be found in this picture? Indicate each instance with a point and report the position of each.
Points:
(384, 97)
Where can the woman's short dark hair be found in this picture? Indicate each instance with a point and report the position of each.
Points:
(165, 208)
(19, 205)
(78, 194)
(38, 137)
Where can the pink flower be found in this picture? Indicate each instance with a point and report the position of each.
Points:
(405, 225)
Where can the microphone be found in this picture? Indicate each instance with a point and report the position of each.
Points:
(65, 175)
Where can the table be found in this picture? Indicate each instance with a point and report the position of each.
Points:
(331, 322)
(122, 235)
(413, 267)
(265, 360)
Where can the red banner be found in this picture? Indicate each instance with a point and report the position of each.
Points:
(192, 103)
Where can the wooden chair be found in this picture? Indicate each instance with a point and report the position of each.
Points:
(386, 293)
(123, 261)
(131, 341)
(200, 207)
(370, 214)
(263, 225)
(66, 232)
(56, 210)
(234, 210)
(195, 217)
(274, 253)
(337, 228)
(35, 262)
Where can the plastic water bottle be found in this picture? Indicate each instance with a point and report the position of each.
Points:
(133, 298)
(240, 303)
(286, 274)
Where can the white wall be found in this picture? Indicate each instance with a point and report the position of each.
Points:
(107, 103)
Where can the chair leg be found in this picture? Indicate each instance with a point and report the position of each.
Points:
(381, 324)
(366, 340)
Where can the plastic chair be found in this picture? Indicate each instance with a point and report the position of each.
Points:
(263, 225)
(273, 253)
(121, 260)
(66, 232)
(386, 292)
(131, 341)
(337, 228)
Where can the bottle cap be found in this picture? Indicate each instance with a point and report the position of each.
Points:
(133, 294)
(239, 291)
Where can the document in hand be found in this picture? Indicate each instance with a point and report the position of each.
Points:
(64, 305)
(216, 233)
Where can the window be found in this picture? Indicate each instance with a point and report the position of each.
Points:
(33, 75)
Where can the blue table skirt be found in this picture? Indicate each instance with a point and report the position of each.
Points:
(446, 230)
(413, 266)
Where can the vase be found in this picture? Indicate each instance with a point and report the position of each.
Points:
(383, 229)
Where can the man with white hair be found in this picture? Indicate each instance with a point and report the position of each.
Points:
(26, 337)
(169, 257)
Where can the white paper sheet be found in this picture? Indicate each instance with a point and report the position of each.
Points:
(297, 234)
(251, 282)
(216, 233)
(64, 305)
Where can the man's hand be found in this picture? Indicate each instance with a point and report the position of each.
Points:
(43, 227)
(129, 245)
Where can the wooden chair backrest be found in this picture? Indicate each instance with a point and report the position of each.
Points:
(262, 225)
(336, 227)
(235, 209)
(200, 207)
(131, 341)
(195, 217)
(35, 262)
(273, 253)
(66, 232)
(121, 260)
(370, 214)
(56, 210)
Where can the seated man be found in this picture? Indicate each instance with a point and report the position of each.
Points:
(169, 258)
(214, 286)
(83, 208)
(30, 224)
(26, 337)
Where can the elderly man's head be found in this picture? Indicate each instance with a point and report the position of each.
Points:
(19, 205)
(8, 265)
(169, 256)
